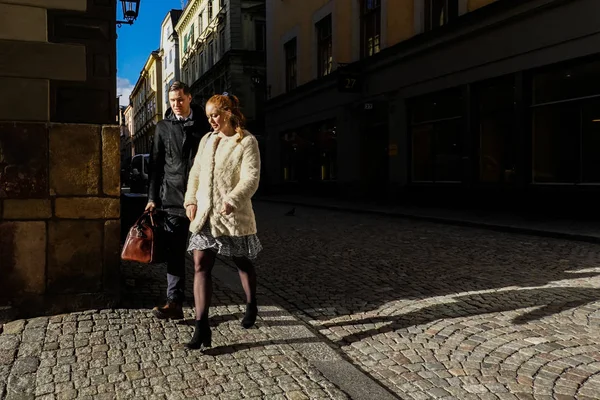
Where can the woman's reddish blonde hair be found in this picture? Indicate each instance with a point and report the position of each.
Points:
(229, 106)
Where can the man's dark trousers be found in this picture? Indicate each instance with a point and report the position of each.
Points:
(176, 241)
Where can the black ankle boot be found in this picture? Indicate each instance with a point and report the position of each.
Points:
(202, 336)
(250, 316)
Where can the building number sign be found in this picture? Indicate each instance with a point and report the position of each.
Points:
(349, 81)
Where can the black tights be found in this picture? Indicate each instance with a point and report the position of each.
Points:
(204, 260)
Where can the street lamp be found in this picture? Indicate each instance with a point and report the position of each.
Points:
(131, 9)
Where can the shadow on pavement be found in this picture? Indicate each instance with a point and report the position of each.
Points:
(330, 264)
(549, 300)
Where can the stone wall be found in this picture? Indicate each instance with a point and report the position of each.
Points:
(59, 214)
(59, 155)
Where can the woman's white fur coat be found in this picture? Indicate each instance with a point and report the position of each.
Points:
(224, 171)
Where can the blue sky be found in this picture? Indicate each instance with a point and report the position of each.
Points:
(135, 42)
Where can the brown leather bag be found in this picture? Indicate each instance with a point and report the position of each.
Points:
(143, 241)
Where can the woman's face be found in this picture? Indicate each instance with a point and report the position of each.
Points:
(215, 118)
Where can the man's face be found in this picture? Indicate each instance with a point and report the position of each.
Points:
(180, 102)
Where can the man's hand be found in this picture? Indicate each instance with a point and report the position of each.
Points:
(190, 211)
(227, 209)
(150, 206)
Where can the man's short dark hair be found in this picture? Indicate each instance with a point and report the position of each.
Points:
(178, 85)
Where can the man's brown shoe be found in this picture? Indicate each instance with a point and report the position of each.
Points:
(169, 310)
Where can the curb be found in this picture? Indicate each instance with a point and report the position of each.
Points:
(443, 220)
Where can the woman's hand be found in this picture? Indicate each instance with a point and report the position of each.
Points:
(227, 209)
(190, 211)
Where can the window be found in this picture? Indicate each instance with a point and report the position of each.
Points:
(211, 54)
(436, 127)
(210, 10)
(566, 124)
(439, 12)
(309, 154)
(200, 23)
(260, 35)
(370, 27)
(193, 70)
(170, 56)
(222, 43)
(290, 64)
(324, 52)
(201, 63)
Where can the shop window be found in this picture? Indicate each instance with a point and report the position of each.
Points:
(309, 154)
(436, 130)
(566, 82)
(495, 125)
(566, 124)
(370, 18)
(324, 50)
(439, 13)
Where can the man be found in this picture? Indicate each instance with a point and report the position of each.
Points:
(175, 145)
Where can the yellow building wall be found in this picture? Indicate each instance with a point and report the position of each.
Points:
(152, 74)
(298, 14)
(475, 4)
(343, 33)
(400, 21)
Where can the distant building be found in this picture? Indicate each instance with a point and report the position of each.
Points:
(147, 103)
(169, 51)
(222, 48)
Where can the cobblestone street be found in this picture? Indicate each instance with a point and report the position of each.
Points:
(429, 311)
(437, 311)
(127, 353)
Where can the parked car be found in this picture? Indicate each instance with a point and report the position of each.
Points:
(139, 174)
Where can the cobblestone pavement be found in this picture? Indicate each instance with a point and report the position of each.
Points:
(437, 311)
(126, 353)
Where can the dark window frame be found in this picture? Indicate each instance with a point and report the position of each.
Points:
(260, 35)
(291, 64)
(324, 32)
(370, 27)
(450, 8)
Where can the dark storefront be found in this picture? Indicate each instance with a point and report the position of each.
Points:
(490, 115)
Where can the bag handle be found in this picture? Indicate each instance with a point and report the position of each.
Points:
(145, 215)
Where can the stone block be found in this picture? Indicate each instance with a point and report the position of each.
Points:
(111, 160)
(74, 159)
(87, 208)
(37, 107)
(23, 255)
(27, 209)
(112, 256)
(23, 160)
(23, 23)
(43, 60)
(75, 256)
(75, 5)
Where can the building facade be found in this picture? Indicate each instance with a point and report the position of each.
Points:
(147, 103)
(222, 48)
(169, 53)
(434, 97)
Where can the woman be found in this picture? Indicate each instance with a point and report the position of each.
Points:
(222, 181)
